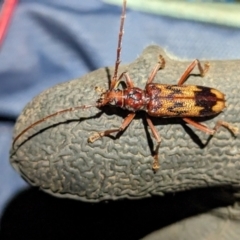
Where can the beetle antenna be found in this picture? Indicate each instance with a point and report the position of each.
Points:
(50, 116)
(119, 46)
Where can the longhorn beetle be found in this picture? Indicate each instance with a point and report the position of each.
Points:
(157, 100)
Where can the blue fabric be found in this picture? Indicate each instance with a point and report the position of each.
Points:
(50, 42)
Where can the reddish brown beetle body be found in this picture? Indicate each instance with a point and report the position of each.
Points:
(162, 100)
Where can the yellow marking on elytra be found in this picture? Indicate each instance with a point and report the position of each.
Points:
(218, 94)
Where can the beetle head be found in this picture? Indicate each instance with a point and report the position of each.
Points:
(111, 97)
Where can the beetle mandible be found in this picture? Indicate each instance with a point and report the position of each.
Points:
(157, 100)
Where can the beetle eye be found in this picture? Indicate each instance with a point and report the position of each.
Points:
(112, 101)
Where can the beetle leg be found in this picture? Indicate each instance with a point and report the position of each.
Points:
(155, 165)
(160, 65)
(189, 69)
(232, 129)
(128, 82)
(123, 126)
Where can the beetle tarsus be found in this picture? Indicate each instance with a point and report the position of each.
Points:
(155, 165)
(95, 137)
(205, 69)
(234, 130)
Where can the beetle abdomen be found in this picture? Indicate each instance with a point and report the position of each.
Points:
(183, 101)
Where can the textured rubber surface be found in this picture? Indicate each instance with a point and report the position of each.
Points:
(56, 157)
(201, 227)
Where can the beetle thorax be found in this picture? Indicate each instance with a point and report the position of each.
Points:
(132, 99)
(135, 99)
(112, 97)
